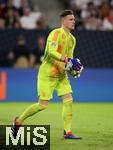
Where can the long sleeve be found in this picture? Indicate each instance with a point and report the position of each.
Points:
(53, 43)
(73, 47)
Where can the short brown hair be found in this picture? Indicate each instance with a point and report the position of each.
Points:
(64, 13)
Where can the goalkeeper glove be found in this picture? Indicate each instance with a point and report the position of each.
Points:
(74, 67)
(75, 64)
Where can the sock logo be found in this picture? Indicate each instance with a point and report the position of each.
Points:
(3, 78)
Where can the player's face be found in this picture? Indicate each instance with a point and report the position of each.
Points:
(69, 22)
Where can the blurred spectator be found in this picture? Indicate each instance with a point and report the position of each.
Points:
(9, 5)
(10, 59)
(78, 3)
(91, 19)
(28, 20)
(22, 62)
(88, 11)
(21, 49)
(10, 18)
(108, 21)
(24, 3)
(41, 23)
(2, 23)
(92, 15)
(16, 15)
(19, 5)
(104, 9)
(19, 55)
(38, 52)
(17, 25)
(93, 23)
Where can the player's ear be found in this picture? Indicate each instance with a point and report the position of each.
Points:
(62, 20)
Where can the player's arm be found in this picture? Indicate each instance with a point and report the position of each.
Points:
(53, 42)
(73, 62)
(74, 66)
(73, 47)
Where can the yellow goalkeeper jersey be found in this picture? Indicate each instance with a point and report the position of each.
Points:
(59, 43)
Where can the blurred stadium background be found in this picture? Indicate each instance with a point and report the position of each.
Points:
(24, 27)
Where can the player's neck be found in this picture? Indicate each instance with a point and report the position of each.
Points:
(66, 29)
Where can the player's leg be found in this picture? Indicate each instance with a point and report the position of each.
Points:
(67, 116)
(67, 111)
(31, 110)
(45, 92)
(64, 91)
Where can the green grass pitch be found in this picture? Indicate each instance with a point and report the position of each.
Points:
(92, 121)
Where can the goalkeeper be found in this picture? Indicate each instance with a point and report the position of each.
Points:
(52, 74)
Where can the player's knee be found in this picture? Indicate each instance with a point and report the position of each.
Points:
(67, 97)
(68, 102)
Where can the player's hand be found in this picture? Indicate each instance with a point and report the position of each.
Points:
(75, 64)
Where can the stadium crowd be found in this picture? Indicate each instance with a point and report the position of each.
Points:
(21, 56)
(17, 14)
(92, 14)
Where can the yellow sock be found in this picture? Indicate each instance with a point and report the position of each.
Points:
(67, 114)
(31, 110)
